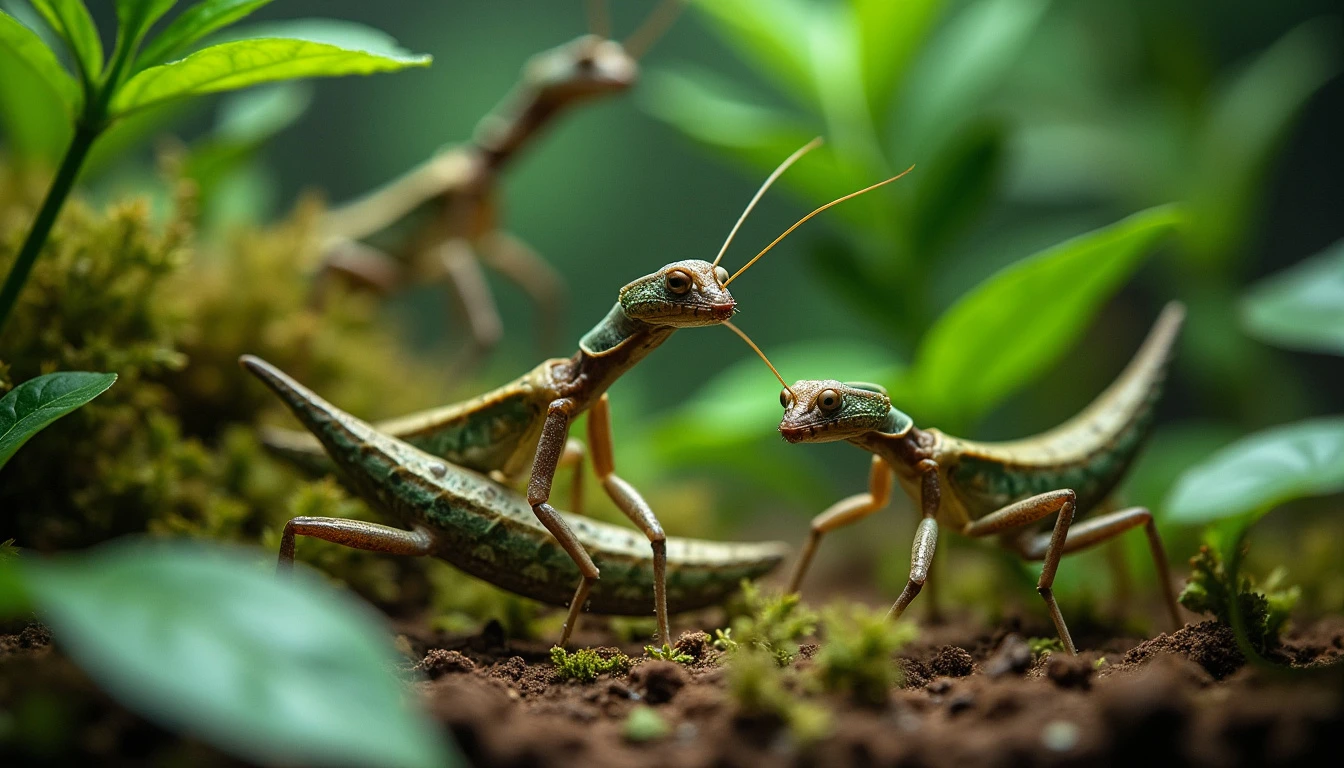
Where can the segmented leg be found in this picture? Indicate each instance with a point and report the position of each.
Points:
(632, 504)
(352, 533)
(842, 513)
(517, 261)
(464, 274)
(363, 265)
(1029, 511)
(926, 537)
(1099, 529)
(554, 434)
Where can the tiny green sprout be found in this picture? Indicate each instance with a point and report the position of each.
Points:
(1100, 662)
(857, 656)
(723, 640)
(772, 623)
(668, 653)
(1265, 608)
(1043, 646)
(586, 664)
(644, 724)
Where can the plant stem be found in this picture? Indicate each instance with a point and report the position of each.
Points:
(46, 218)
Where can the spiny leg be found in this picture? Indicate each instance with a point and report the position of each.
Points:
(352, 533)
(632, 504)
(842, 513)
(1097, 530)
(517, 261)
(1029, 511)
(467, 280)
(926, 537)
(360, 264)
(554, 434)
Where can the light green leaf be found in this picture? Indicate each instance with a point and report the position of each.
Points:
(207, 640)
(889, 35)
(35, 403)
(71, 20)
(1012, 327)
(192, 26)
(1247, 121)
(1252, 476)
(771, 34)
(34, 121)
(135, 17)
(1301, 307)
(32, 54)
(242, 63)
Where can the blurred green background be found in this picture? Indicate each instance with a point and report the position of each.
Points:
(1028, 121)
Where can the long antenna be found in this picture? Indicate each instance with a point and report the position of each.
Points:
(752, 344)
(599, 20)
(642, 39)
(810, 215)
(803, 150)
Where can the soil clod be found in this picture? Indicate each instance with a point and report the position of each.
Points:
(1012, 657)
(658, 681)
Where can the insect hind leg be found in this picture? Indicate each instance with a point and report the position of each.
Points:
(356, 534)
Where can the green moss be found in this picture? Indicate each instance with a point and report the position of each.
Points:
(856, 658)
(1265, 608)
(773, 623)
(668, 653)
(1041, 646)
(586, 664)
(757, 684)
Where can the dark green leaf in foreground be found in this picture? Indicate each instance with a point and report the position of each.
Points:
(242, 63)
(1259, 472)
(193, 25)
(1301, 307)
(202, 639)
(28, 50)
(36, 403)
(71, 20)
(1011, 328)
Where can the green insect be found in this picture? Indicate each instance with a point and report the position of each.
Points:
(489, 530)
(982, 489)
(440, 220)
(523, 426)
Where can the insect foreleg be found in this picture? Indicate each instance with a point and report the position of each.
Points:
(926, 537)
(357, 534)
(844, 512)
(632, 504)
(1029, 511)
(1097, 530)
(554, 434)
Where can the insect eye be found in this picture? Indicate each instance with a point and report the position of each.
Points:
(785, 399)
(721, 275)
(678, 281)
(828, 400)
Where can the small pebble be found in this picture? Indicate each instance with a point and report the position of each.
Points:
(1060, 735)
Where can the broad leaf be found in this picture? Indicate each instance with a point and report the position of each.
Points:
(33, 119)
(71, 20)
(35, 403)
(205, 640)
(242, 63)
(955, 185)
(28, 50)
(1301, 307)
(1254, 475)
(1011, 328)
(192, 26)
(773, 35)
(889, 35)
(135, 17)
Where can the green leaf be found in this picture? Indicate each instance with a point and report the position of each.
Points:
(1301, 307)
(192, 26)
(35, 403)
(34, 120)
(203, 639)
(955, 185)
(890, 34)
(135, 17)
(1247, 121)
(242, 63)
(1252, 476)
(1012, 327)
(71, 20)
(772, 35)
(33, 55)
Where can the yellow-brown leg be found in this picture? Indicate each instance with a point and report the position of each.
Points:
(517, 261)
(356, 534)
(1099, 529)
(842, 513)
(572, 459)
(463, 272)
(360, 264)
(1029, 511)
(632, 504)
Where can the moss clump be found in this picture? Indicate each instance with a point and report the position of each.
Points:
(857, 656)
(773, 623)
(757, 684)
(586, 664)
(1264, 609)
(1040, 646)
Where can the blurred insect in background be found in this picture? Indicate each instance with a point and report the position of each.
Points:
(443, 217)
(1002, 488)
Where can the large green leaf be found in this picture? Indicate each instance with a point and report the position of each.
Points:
(35, 403)
(204, 639)
(28, 51)
(771, 34)
(33, 119)
(889, 35)
(1259, 472)
(242, 63)
(71, 20)
(1246, 123)
(1009, 329)
(135, 17)
(192, 26)
(1301, 307)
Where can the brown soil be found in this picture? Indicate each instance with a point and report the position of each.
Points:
(971, 698)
